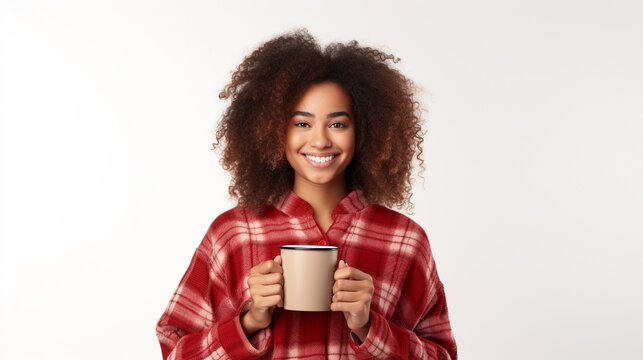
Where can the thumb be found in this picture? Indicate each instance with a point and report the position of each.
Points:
(278, 259)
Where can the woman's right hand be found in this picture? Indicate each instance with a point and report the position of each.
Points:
(266, 284)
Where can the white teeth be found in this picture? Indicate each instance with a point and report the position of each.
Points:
(320, 159)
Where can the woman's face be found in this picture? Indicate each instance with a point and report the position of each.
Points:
(320, 140)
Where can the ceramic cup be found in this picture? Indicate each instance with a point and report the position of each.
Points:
(308, 276)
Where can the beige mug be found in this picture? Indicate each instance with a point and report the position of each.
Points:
(308, 276)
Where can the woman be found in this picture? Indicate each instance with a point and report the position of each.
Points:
(318, 142)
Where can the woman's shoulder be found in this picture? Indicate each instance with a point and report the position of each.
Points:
(382, 215)
(393, 230)
(241, 219)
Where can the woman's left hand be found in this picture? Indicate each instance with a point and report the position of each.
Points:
(352, 294)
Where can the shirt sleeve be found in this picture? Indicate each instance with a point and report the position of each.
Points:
(424, 304)
(202, 319)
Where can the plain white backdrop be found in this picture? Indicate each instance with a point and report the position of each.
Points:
(533, 198)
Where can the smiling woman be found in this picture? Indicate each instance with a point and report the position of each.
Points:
(316, 141)
(320, 147)
(271, 81)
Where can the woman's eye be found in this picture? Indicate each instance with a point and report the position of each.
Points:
(301, 124)
(337, 125)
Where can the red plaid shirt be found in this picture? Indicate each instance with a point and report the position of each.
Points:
(409, 318)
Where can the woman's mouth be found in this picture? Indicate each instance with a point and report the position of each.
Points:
(320, 161)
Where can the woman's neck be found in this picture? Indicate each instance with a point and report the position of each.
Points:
(323, 198)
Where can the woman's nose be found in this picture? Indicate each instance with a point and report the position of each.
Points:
(320, 138)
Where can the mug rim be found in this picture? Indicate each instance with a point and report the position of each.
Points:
(310, 247)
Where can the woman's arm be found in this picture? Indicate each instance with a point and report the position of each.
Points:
(430, 339)
(422, 309)
(202, 320)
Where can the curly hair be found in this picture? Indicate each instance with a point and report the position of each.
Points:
(269, 82)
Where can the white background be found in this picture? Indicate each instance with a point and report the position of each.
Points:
(533, 197)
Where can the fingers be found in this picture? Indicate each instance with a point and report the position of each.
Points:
(265, 284)
(264, 303)
(352, 280)
(268, 279)
(261, 291)
(351, 296)
(266, 290)
(351, 285)
(346, 272)
(355, 307)
(267, 267)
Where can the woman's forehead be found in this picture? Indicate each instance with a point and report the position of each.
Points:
(323, 99)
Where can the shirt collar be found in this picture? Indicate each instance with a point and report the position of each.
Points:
(293, 205)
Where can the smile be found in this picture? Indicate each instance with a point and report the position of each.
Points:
(320, 161)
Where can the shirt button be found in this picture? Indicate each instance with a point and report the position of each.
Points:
(321, 242)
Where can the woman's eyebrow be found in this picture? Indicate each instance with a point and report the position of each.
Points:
(329, 116)
(302, 113)
(338, 114)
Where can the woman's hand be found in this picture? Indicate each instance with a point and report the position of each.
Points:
(266, 283)
(352, 294)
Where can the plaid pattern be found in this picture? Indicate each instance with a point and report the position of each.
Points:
(409, 318)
